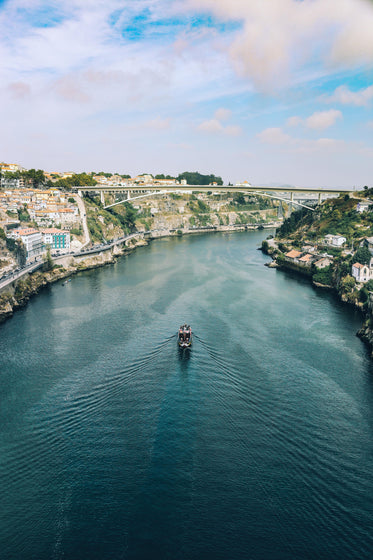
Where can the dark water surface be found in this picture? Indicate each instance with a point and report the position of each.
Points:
(256, 444)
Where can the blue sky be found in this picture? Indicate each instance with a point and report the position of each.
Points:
(279, 91)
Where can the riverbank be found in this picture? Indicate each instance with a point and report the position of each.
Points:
(338, 285)
(20, 291)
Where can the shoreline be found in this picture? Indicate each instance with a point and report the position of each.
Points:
(365, 333)
(23, 289)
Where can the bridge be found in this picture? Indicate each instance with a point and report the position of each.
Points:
(146, 190)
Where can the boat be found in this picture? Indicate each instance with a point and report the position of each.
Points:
(184, 336)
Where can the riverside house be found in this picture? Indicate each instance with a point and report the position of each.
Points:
(362, 272)
(293, 256)
(56, 239)
(306, 260)
(364, 206)
(323, 262)
(335, 240)
(32, 240)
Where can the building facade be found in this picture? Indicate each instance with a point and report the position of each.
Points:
(32, 240)
(57, 239)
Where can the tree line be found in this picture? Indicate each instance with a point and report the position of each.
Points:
(36, 178)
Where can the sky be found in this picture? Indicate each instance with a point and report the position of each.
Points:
(268, 91)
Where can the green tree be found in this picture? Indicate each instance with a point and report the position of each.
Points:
(48, 261)
(239, 199)
(196, 178)
(265, 246)
(77, 180)
(23, 214)
(369, 285)
(36, 177)
(363, 294)
(324, 276)
(362, 255)
(348, 283)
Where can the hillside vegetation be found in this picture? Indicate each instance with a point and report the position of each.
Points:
(305, 232)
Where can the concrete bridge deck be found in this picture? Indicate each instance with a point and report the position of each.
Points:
(210, 188)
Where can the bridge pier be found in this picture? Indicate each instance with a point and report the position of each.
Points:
(320, 198)
(291, 207)
(280, 210)
(128, 195)
(102, 197)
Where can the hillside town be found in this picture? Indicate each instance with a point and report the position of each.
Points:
(40, 213)
(39, 210)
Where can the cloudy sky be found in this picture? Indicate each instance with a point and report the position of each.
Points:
(271, 91)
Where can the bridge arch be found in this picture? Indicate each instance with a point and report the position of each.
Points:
(157, 193)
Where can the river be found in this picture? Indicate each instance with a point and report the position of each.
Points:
(255, 444)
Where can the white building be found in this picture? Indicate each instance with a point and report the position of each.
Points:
(361, 272)
(364, 205)
(68, 216)
(32, 240)
(335, 240)
(323, 262)
(57, 239)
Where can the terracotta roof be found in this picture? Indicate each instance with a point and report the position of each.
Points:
(293, 254)
(358, 265)
(322, 259)
(26, 231)
(306, 258)
(53, 230)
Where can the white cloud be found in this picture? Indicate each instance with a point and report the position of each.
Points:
(216, 126)
(274, 136)
(294, 121)
(223, 114)
(320, 145)
(344, 96)
(323, 119)
(319, 120)
(19, 90)
(158, 124)
(280, 37)
(213, 126)
(233, 130)
(277, 137)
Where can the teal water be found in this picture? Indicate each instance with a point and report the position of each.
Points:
(255, 444)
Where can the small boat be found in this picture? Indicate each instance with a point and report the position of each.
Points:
(184, 336)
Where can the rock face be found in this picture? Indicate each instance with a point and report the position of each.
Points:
(6, 311)
(366, 335)
(366, 331)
